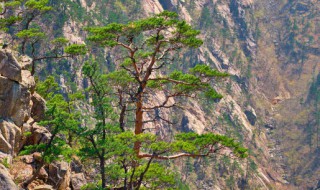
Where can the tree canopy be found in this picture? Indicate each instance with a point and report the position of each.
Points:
(145, 48)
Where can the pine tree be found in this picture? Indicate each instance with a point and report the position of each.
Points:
(20, 22)
(145, 48)
(60, 119)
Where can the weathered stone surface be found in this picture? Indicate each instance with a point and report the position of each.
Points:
(28, 159)
(43, 174)
(21, 169)
(25, 62)
(59, 175)
(25, 131)
(10, 136)
(38, 107)
(6, 183)
(28, 80)
(78, 180)
(38, 135)
(44, 187)
(4, 145)
(37, 156)
(76, 165)
(9, 66)
(14, 101)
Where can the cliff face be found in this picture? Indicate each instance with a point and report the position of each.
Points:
(286, 68)
(16, 88)
(20, 110)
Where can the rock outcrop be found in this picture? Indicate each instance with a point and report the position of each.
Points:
(10, 136)
(20, 110)
(38, 107)
(6, 183)
(77, 181)
(9, 66)
(59, 175)
(38, 135)
(14, 101)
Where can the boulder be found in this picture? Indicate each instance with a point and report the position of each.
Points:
(38, 107)
(43, 174)
(21, 169)
(28, 80)
(9, 66)
(28, 159)
(25, 62)
(59, 175)
(43, 187)
(76, 165)
(14, 101)
(6, 183)
(77, 181)
(25, 131)
(38, 135)
(10, 136)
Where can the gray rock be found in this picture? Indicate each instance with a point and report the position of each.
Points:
(38, 135)
(78, 180)
(14, 101)
(10, 136)
(59, 175)
(9, 66)
(28, 80)
(76, 165)
(6, 183)
(38, 107)
(25, 62)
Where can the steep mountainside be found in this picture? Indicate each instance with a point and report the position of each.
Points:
(271, 101)
(271, 48)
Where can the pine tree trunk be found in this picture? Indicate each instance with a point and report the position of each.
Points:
(138, 124)
(102, 172)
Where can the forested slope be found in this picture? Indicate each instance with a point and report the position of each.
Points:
(271, 99)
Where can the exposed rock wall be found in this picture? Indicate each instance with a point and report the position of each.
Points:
(6, 183)
(20, 110)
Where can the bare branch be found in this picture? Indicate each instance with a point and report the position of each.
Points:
(174, 81)
(172, 157)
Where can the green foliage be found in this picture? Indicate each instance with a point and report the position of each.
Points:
(145, 48)
(206, 71)
(33, 35)
(76, 49)
(183, 33)
(60, 119)
(60, 42)
(47, 88)
(40, 5)
(29, 10)
(5, 162)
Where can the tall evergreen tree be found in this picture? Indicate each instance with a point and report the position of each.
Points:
(145, 48)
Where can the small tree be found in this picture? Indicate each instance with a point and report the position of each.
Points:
(20, 21)
(145, 47)
(60, 119)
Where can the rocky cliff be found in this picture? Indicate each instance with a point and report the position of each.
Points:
(20, 110)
